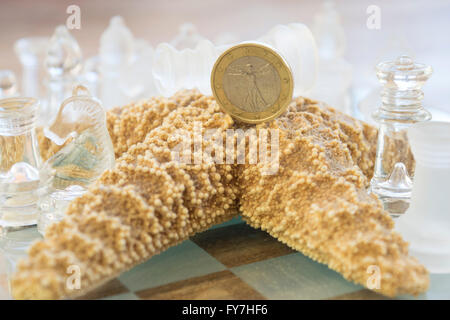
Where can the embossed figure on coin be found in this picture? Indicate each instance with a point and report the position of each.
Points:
(252, 84)
(254, 98)
(246, 81)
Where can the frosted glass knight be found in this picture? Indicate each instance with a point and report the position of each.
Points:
(116, 53)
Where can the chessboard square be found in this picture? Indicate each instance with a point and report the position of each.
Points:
(364, 294)
(439, 288)
(294, 276)
(122, 296)
(110, 288)
(183, 261)
(240, 244)
(233, 221)
(223, 285)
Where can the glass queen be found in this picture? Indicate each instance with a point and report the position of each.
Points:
(401, 108)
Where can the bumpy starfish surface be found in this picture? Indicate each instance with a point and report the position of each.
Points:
(316, 202)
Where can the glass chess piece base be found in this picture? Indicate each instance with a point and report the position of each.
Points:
(427, 226)
(14, 245)
(53, 205)
(19, 195)
(429, 244)
(395, 191)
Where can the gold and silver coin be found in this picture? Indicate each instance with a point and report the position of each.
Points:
(252, 83)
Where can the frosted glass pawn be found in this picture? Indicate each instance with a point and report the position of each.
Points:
(136, 80)
(80, 125)
(116, 53)
(63, 64)
(329, 32)
(335, 73)
(426, 226)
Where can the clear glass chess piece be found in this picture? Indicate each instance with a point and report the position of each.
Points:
(136, 80)
(401, 107)
(427, 225)
(63, 64)
(8, 84)
(91, 75)
(80, 127)
(31, 53)
(334, 77)
(187, 37)
(19, 163)
(329, 32)
(14, 245)
(116, 52)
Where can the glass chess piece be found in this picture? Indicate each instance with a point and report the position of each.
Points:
(334, 77)
(427, 225)
(187, 37)
(63, 63)
(188, 68)
(135, 81)
(117, 47)
(296, 44)
(401, 107)
(329, 31)
(80, 127)
(31, 53)
(366, 91)
(8, 84)
(14, 245)
(90, 75)
(19, 163)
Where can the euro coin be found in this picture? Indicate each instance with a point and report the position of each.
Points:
(252, 83)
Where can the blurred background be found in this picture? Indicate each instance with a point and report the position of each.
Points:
(417, 27)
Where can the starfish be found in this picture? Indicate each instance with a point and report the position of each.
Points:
(316, 202)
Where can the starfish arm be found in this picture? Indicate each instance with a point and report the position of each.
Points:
(320, 207)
